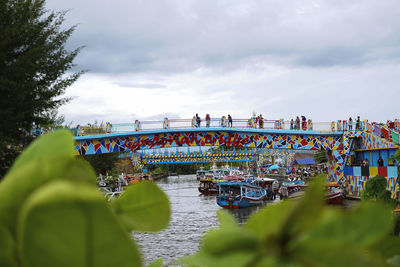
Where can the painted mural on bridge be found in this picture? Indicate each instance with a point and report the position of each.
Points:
(196, 158)
(251, 140)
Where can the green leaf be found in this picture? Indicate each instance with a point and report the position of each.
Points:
(364, 226)
(69, 224)
(358, 236)
(143, 207)
(394, 261)
(157, 263)
(388, 247)
(272, 261)
(237, 259)
(229, 240)
(19, 184)
(306, 211)
(226, 219)
(268, 221)
(326, 253)
(51, 144)
(7, 248)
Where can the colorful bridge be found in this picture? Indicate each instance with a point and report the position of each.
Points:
(341, 138)
(235, 155)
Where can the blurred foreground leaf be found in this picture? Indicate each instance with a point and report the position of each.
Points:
(7, 248)
(156, 263)
(64, 224)
(51, 210)
(143, 207)
(18, 185)
(51, 144)
(48, 158)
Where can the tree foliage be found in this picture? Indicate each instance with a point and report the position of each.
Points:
(102, 163)
(34, 66)
(320, 156)
(375, 189)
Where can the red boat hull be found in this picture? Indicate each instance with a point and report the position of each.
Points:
(335, 199)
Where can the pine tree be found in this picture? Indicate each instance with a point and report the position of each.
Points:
(34, 70)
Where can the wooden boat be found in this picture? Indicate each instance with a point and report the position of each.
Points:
(334, 194)
(237, 194)
(200, 174)
(215, 173)
(271, 185)
(209, 186)
(292, 189)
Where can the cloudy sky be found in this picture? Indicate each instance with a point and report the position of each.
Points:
(326, 60)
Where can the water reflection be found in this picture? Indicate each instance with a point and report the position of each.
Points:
(242, 215)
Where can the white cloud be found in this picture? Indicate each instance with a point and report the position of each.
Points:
(325, 59)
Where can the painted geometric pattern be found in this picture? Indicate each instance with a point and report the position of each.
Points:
(356, 185)
(339, 164)
(193, 158)
(332, 171)
(162, 140)
(371, 141)
(347, 137)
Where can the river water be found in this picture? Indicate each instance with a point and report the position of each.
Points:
(192, 215)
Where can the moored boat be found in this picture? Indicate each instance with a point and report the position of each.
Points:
(237, 194)
(200, 174)
(209, 186)
(292, 189)
(334, 194)
(271, 185)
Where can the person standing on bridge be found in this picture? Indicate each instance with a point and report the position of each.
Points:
(297, 123)
(198, 120)
(350, 124)
(358, 123)
(303, 123)
(194, 122)
(261, 121)
(256, 119)
(229, 121)
(291, 124)
(208, 119)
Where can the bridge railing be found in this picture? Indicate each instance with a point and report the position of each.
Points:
(221, 123)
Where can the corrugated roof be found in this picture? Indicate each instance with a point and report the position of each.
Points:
(305, 161)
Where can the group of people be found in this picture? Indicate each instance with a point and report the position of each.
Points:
(357, 121)
(295, 124)
(300, 172)
(196, 121)
(259, 120)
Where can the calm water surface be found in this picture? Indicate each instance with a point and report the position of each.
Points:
(192, 215)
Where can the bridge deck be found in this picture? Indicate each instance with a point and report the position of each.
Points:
(213, 129)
